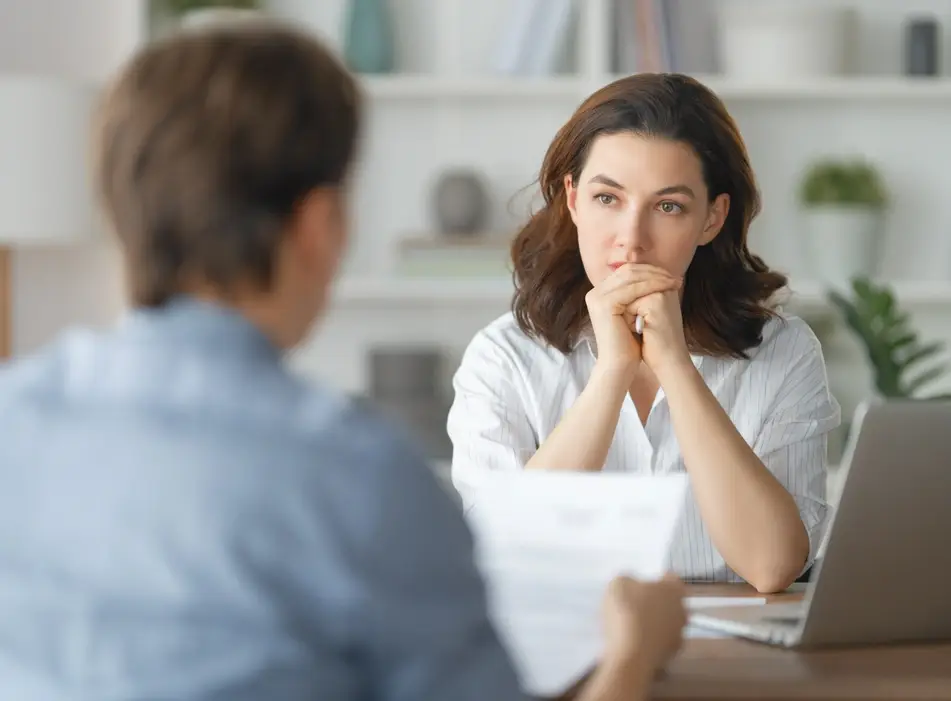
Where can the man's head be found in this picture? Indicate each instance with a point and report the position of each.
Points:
(222, 161)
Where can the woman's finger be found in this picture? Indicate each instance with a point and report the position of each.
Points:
(634, 273)
(620, 299)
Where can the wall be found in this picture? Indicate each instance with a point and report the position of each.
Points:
(409, 140)
(54, 288)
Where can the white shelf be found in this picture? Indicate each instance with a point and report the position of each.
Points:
(914, 294)
(424, 291)
(423, 87)
(573, 87)
(833, 89)
(410, 291)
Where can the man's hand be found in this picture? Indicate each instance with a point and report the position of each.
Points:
(643, 622)
(643, 628)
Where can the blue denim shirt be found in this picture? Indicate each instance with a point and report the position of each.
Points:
(181, 519)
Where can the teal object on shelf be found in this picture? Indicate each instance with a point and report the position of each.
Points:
(368, 37)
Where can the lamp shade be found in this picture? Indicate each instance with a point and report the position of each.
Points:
(46, 194)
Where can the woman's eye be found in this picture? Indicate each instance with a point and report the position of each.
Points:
(605, 199)
(671, 208)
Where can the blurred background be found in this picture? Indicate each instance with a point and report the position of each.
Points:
(845, 108)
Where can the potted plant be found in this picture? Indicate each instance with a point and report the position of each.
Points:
(903, 366)
(896, 355)
(193, 14)
(844, 205)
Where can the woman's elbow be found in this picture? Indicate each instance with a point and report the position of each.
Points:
(773, 582)
(779, 573)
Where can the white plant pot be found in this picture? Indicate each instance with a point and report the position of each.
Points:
(843, 242)
(771, 41)
(206, 17)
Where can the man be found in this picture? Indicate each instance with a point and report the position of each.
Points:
(181, 518)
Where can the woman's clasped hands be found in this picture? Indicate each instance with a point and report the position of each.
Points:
(632, 290)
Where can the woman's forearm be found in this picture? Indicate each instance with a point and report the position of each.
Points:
(582, 439)
(753, 521)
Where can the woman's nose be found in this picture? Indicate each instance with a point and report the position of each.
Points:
(634, 234)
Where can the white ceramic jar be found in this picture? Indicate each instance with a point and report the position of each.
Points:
(772, 40)
(205, 17)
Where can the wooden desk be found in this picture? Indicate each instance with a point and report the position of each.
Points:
(724, 669)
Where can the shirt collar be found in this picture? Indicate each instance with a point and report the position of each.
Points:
(188, 321)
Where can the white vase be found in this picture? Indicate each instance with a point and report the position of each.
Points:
(843, 242)
(771, 41)
(205, 17)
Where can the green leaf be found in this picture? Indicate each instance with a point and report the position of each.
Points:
(925, 378)
(901, 320)
(849, 182)
(862, 288)
(920, 354)
(886, 332)
(905, 339)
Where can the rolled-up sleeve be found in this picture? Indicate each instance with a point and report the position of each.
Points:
(792, 442)
(487, 423)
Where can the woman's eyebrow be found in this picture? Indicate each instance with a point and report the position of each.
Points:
(677, 190)
(605, 180)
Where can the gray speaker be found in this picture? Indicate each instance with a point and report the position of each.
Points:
(404, 383)
(922, 47)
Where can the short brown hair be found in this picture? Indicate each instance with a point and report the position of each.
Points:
(206, 144)
(726, 288)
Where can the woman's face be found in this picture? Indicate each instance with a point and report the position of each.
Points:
(641, 200)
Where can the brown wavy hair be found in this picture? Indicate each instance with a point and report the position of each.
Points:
(727, 290)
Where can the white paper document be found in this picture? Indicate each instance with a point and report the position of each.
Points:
(695, 603)
(549, 543)
(705, 602)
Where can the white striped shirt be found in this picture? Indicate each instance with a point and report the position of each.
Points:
(511, 391)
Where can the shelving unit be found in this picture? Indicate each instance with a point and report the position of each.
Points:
(422, 291)
(862, 88)
(452, 96)
(492, 292)
(448, 108)
(845, 89)
(438, 88)
(916, 295)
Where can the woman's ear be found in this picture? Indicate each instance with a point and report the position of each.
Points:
(715, 220)
(571, 198)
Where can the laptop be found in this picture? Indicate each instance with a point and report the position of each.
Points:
(885, 574)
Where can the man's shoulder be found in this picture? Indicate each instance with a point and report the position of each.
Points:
(352, 427)
(33, 373)
(90, 372)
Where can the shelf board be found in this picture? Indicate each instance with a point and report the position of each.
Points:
(423, 291)
(843, 88)
(426, 87)
(915, 294)
(386, 291)
(575, 87)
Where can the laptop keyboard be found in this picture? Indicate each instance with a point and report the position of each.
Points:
(783, 613)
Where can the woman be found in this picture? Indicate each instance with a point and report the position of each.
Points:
(648, 198)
